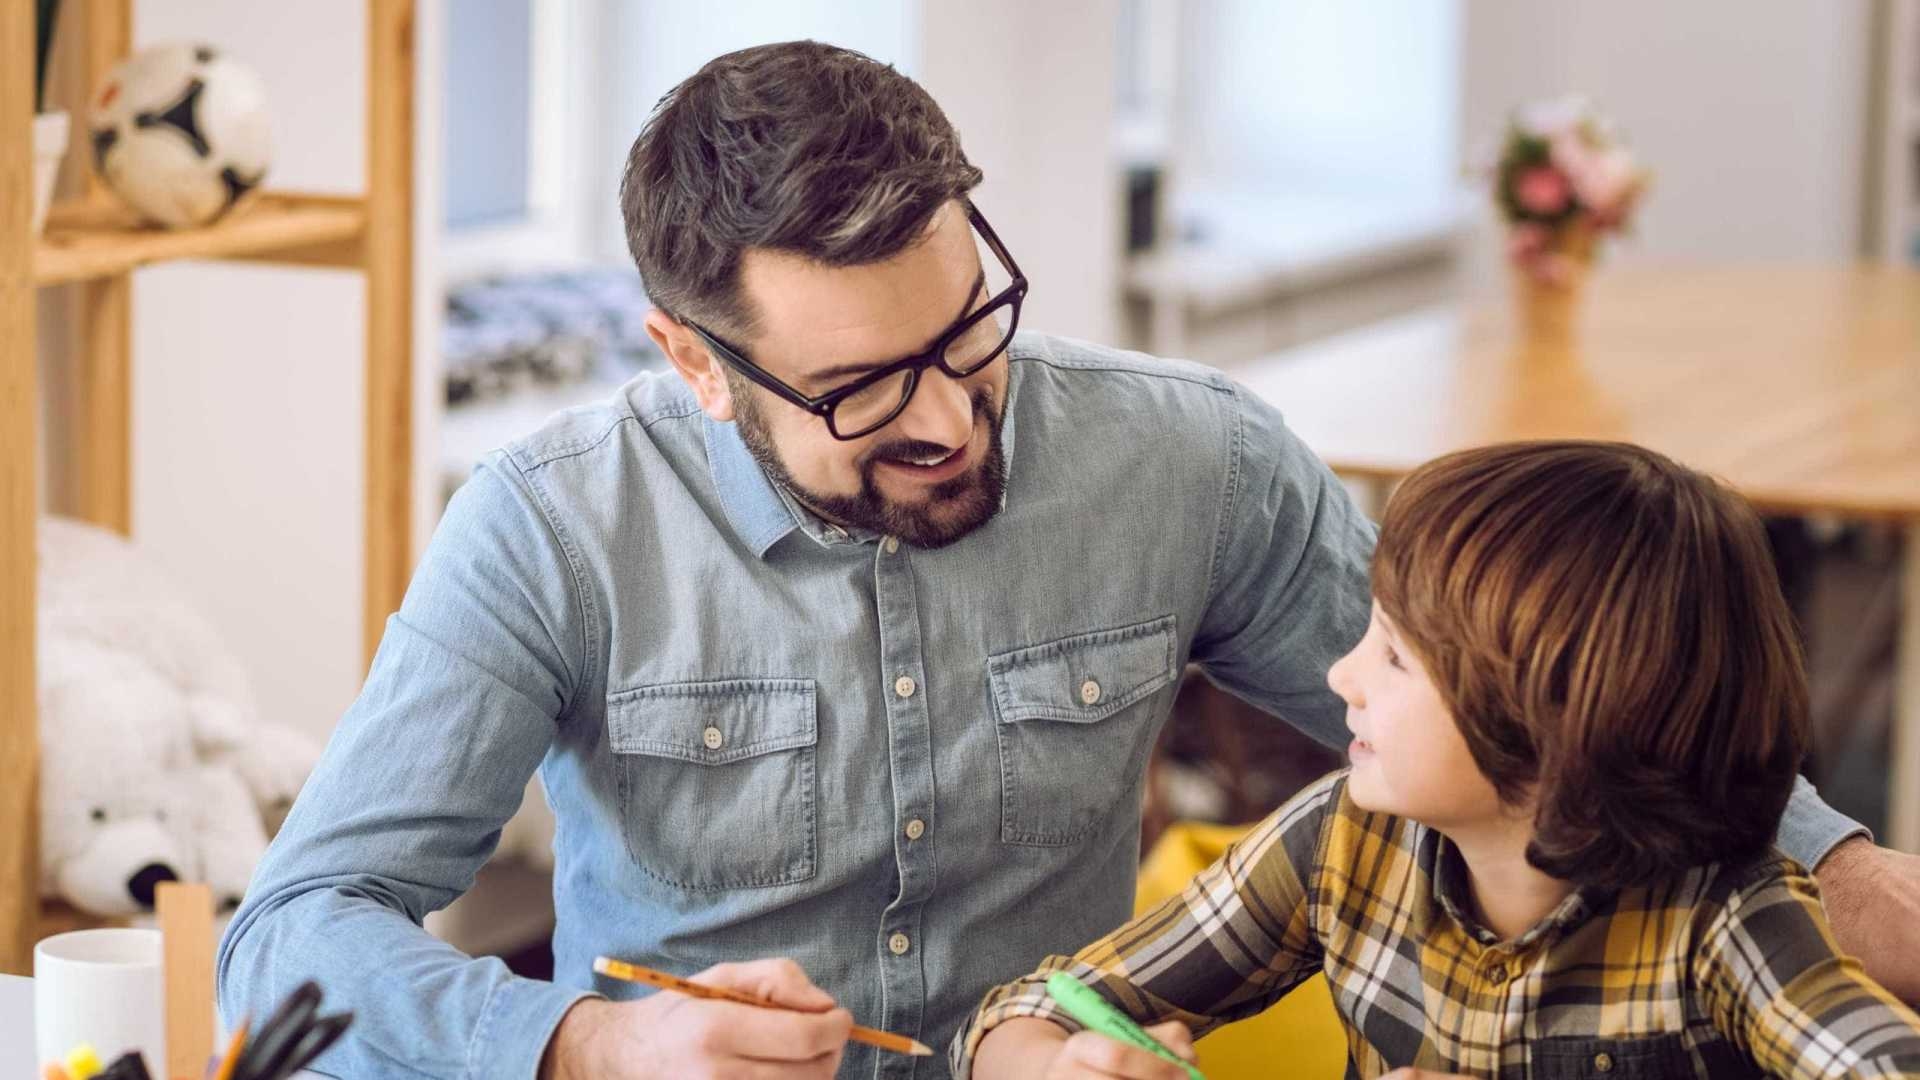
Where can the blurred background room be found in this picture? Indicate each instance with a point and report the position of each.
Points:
(1295, 192)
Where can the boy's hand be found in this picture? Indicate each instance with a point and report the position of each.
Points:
(1872, 897)
(1092, 1056)
(1025, 1048)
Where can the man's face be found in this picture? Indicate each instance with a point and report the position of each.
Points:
(936, 471)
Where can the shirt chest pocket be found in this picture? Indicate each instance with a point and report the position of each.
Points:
(1645, 1057)
(1076, 719)
(716, 780)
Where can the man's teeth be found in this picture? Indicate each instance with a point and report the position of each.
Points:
(935, 460)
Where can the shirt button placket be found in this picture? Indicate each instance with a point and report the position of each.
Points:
(910, 752)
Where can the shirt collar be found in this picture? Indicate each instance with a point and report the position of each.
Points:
(1450, 890)
(762, 514)
(755, 509)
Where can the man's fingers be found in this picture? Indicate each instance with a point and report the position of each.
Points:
(723, 1029)
(778, 980)
(1097, 1055)
(820, 1068)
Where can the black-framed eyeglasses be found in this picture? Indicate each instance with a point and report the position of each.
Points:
(871, 401)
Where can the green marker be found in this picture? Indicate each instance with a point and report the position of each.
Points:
(1081, 1003)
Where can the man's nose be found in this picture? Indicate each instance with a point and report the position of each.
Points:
(941, 410)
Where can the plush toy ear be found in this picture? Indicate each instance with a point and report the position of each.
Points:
(213, 818)
(273, 762)
(218, 725)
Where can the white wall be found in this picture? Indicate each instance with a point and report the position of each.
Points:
(247, 398)
(651, 46)
(1751, 115)
(1031, 89)
(1029, 86)
(1358, 99)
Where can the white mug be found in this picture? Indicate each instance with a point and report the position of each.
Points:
(103, 988)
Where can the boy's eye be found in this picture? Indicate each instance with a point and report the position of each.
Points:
(1394, 658)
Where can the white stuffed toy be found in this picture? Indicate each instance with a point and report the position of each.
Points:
(154, 764)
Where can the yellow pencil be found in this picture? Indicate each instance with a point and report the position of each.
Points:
(224, 1071)
(885, 1040)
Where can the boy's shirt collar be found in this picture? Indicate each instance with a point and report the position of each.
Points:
(1452, 891)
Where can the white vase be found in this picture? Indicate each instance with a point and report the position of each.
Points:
(49, 146)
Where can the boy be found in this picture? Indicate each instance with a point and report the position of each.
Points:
(1577, 716)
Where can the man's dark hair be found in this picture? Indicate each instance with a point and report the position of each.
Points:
(798, 147)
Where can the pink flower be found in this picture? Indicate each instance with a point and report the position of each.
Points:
(1607, 184)
(1532, 248)
(1542, 190)
(1526, 241)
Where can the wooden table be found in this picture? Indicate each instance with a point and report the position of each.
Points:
(1798, 385)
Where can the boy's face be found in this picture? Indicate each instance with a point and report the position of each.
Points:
(1408, 755)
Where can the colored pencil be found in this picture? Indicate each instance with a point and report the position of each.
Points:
(885, 1040)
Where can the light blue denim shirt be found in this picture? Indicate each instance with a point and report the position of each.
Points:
(915, 772)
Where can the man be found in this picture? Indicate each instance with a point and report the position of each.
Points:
(846, 647)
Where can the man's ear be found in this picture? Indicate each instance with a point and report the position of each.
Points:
(696, 365)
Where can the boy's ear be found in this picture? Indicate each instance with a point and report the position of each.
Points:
(689, 356)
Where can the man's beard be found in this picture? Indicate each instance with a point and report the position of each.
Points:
(968, 500)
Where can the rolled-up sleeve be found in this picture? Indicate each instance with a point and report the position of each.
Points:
(408, 801)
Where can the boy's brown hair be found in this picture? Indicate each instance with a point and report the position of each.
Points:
(1608, 630)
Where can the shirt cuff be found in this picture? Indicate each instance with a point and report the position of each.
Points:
(515, 1026)
(1810, 829)
(1035, 1005)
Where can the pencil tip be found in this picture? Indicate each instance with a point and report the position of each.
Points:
(600, 964)
(920, 1049)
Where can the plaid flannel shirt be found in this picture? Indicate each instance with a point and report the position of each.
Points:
(1724, 971)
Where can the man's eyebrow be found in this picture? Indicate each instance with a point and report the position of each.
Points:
(838, 370)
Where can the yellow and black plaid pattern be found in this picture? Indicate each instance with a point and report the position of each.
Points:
(1723, 972)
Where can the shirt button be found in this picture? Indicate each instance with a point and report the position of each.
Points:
(713, 738)
(890, 545)
(1089, 692)
(916, 829)
(898, 944)
(903, 686)
(1603, 1062)
(1497, 975)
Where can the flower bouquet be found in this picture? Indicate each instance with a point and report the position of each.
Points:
(1562, 182)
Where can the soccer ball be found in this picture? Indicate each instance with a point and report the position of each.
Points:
(180, 133)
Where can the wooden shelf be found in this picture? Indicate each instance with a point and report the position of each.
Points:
(88, 240)
(58, 918)
(93, 245)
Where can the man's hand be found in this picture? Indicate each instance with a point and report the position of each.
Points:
(1031, 1049)
(1872, 897)
(669, 1034)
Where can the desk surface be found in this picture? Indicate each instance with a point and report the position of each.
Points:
(1799, 385)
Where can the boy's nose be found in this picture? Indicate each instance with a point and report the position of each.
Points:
(1340, 679)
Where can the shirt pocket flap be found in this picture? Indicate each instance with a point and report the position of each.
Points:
(713, 723)
(1642, 1057)
(1085, 678)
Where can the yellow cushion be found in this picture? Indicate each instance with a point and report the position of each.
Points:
(1302, 1030)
